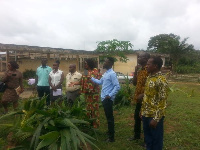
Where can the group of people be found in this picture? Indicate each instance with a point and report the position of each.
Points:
(49, 82)
(150, 94)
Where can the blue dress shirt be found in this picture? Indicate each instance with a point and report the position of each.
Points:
(110, 84)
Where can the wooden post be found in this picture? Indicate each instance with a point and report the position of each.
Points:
(48, 56)
(77, 63)
(1, 66)
(7, 58)
(15, 55)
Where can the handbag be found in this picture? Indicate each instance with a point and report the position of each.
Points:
(2, 86)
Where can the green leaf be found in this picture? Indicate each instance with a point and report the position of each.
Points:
(50, 135)
(81, 137)
(27, 105)
(91, 143)
(67, 135)
(63, 141)
(36, 135)
(75, 140)
(48, 139)
(11, 114)
(87, 136)
(78, 121)
(51, 122)
(68, 123)
(54, 146)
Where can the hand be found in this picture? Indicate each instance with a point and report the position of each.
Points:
(140, 98)
(71, 84)
(22, 90)
(153, 123)
(8, 74)
(54, 88)
(140, 115)
(107, 97)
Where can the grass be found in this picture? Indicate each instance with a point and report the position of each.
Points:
(182, 122)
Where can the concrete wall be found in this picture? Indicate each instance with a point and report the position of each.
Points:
(128, 67)
(33, 64)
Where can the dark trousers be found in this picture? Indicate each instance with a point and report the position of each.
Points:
(137, 125)
(108, 109)
(44, 90)
(153, 137)
(71, 96)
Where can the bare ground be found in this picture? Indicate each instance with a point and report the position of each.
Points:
(27, 93)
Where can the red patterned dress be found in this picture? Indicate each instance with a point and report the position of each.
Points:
(91, 91)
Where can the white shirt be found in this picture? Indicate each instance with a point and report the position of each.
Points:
(55, 77)
(75, 77)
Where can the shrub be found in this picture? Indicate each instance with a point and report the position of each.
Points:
(27, 74)
(53, 127)
(186, 69)
(125, 94)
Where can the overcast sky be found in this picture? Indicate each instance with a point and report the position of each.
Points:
(80, 24)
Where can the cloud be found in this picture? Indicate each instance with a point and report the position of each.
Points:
(80, 24)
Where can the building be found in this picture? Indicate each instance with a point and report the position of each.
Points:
(29, 57)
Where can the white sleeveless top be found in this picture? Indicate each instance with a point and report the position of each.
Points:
(55, 77)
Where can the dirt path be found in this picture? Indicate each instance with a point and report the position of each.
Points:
(26, 94)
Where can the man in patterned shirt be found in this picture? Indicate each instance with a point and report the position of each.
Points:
(139, 80)
(154, 104)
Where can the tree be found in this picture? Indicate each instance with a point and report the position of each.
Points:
(170, 44)
(112, 48)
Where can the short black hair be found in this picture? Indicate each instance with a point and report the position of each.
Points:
(58, 62)
(157, 61)
(111, 60)
(147, 55)
(14, 64)
(91, 63)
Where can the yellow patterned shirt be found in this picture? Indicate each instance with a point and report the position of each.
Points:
(141, 79)
(155, 96)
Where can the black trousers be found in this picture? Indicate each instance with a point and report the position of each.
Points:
(44, 90)
(108, 109)
(137, 125)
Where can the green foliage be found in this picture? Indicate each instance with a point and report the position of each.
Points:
(112, 48)
(187, 69)
(170, 44)
(29, 73)
(189, 63)
(125, 94)
(55, 127)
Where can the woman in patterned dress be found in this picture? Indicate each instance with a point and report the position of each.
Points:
(91, 91)
(13, 80)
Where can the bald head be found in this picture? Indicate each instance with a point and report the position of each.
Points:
(72, 68)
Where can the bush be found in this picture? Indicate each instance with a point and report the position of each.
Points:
(125, 95)
(55, 127)
(27, 74)
(185, 69)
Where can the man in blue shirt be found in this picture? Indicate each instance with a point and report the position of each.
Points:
(42, 82)
(110, 87)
